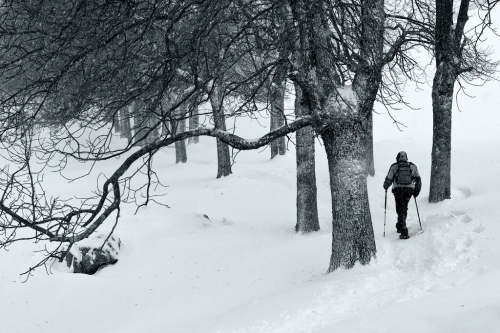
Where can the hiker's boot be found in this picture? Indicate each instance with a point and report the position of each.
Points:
(404, 234)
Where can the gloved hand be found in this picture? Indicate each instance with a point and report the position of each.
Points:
(415, 194)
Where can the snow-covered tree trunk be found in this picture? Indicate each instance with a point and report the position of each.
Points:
(353, 238)
(307, 202)
(345, 142)
(223, 156)
(194, 122)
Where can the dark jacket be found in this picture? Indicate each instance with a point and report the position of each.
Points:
(416, 184)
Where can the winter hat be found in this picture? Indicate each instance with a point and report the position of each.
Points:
(402, 157)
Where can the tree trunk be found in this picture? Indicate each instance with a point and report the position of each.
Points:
(194, 122)
(353, 238)
(180, 146)
(278, 146)
(442, 97)
(223, 156)
(447, 52)
(116, 123)
(369, 149)
(125, 123)
(307, 203)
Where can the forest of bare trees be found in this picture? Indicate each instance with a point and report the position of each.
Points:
(150, 71)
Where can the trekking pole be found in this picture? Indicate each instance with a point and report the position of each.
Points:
(385, 209)
(418, 214)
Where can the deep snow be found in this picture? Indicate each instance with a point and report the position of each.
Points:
(242, 268)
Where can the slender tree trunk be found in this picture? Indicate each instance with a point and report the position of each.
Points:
(116, 123)
(307, 202)
(139, 130)
(194, 122)
(442, 97)
(180, 146)
(278, 146)
(223, 156)
(125, 123)
(153, 134)
(353, 238)
(448, 56)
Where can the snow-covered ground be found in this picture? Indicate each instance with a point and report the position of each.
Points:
(225, 258)
(244, 269)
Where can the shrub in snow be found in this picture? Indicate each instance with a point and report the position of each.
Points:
(90, 256)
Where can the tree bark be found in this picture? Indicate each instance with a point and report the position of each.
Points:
(278, 146)
(346, 140)
(369, 146)
(352, 232)
(307, 202)
(194, 122)
(125, 123)
(448, 57)
(223, 156)
(180, 146)
(116, 123)
(442, 97)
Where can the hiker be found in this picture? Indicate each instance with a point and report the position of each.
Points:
(405, 181)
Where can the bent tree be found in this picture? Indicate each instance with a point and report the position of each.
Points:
(161, 47)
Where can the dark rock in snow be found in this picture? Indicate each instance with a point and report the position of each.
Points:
(90, 259)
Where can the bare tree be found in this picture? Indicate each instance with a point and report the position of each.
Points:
(160, 47)
(458, 58)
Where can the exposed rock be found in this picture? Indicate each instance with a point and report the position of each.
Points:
(87, 259)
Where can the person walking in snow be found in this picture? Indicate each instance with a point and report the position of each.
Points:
(405, 181)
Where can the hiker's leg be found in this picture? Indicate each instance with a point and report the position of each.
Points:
(399, 207)
(405, 196)
(402, 199)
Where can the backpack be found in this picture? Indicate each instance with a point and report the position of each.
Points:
(403, 175)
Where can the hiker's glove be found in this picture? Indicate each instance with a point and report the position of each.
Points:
(416, 194)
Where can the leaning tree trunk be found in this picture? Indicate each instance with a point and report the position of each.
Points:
(307, 202)
(278, 113)
(223, 156)
(353, 238)
(442, 97)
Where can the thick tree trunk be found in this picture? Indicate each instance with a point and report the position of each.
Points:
(278, 146)
(194, 122)
(353, 238)
(442, 97)
(223, 156)
(307, 202)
